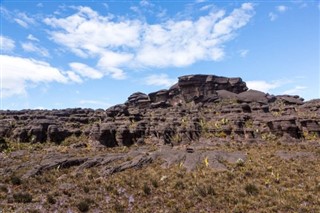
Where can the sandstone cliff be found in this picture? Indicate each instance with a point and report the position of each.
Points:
(198, 106)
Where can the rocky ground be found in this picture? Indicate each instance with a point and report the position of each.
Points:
(208, 144)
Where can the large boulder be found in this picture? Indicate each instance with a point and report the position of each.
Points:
(195, 86)
(57, 134)
(253, 96)
(118, 110)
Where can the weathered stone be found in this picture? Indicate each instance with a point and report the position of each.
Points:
(253, 96)
(57, 134)
(196, 106)
(117, 110)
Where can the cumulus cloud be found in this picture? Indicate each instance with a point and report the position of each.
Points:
(263, 86)
(20, 18)
(207, 7)
(295, 91)
(74, 77)
(95, 103)
(30, 47)
(19, 73)
(23, 20)
(273, 16)
(32, 38)
(281, 8)
(85, 71)
(243, 53)
(278, 9)
(122, 43)
(159, 80)
(6, 44)
(200, 1)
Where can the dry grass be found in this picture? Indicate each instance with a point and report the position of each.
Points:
(263, 183)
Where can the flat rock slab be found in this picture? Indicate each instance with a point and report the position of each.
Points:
(111, 163)
(289, 155)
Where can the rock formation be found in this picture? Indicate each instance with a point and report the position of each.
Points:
(198, 106)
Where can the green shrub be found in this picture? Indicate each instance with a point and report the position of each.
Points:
(119, 208)
(179, 185)
(146, 189)
(251, 189)
(83, 206)
(155, 183)
(86, 189)
(205, 190)
(3, 144)
(51, 199)
(22, 197)
(15, 180)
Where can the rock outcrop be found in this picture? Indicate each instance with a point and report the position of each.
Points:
(198, 106)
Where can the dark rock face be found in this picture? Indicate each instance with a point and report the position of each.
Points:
(193, 86)
(198, 106)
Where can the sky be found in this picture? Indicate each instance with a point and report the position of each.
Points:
(95, 53)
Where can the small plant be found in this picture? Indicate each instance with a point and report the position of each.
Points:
(3, 188)
(83, 205)
(22, 197)
(251, 189)
(310, 135)
(268, 136)
(3, 145)
(15, 180)
(317, 187)
(240, 162)
(51, 199)
(118, 207)
(179, 185)
(155, 183)
(220, 134)
(86, 189)
(205, 190)
(146, 189)
(176, 138)
(248, 124)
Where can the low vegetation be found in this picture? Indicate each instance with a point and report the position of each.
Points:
(264, 182)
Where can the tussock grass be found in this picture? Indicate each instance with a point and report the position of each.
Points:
(265, 182)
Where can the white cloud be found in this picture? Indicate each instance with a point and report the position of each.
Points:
(6, 44)
(14, 16)
(19, 73)
(30, 47)
(243, 53)
(278, 9)
(145, 3)
(200, 1)
(21, 23)
(32, 38)
(263, 85)
(130, 43)
(94, 104)
(74, 77)
(85, 71)
(87, 34)
(281, 8)
(295, 91)
(115, 73)
(106, 6)
(273, 16)
(159, 80)
(23, 19)
(113, 59)
(207, 7)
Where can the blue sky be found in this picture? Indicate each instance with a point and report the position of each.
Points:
(60, 54)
